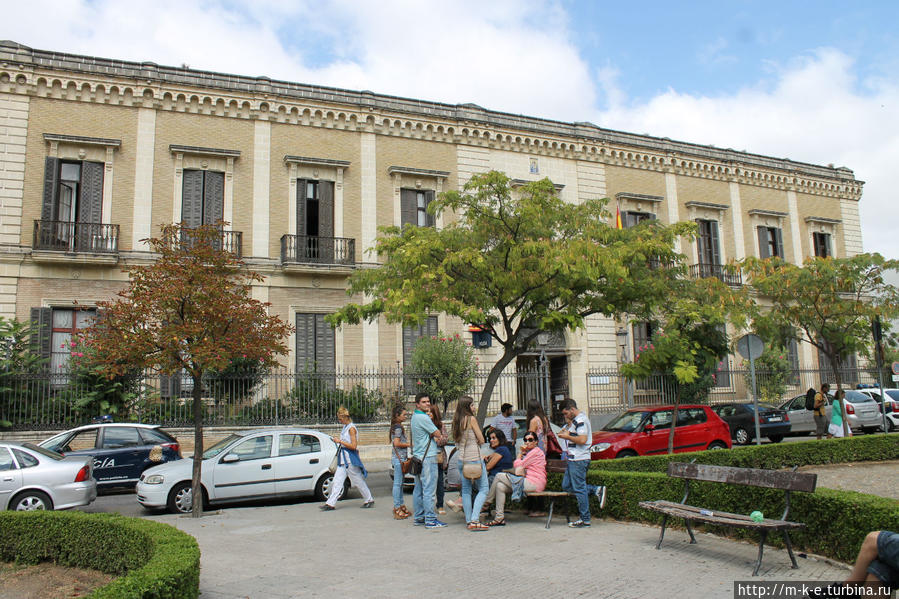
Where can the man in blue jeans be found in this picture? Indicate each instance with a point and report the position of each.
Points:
(424, 439)
(580, 437)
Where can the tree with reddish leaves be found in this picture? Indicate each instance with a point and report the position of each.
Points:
(190, 311)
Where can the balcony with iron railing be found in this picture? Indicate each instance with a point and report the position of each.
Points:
(230, 241)
(304, 249)
(726, 274)
(75, 237)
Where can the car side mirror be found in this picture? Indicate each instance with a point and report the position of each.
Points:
(230, 458)
(649, 428)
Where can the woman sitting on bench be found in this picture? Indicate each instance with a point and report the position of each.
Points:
(529, 477)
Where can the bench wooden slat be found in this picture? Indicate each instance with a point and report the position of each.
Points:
(690, 512)
(771, 479)
(557, 466)
(547, 494)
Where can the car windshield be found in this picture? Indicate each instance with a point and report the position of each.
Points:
(858, 397)
(627, 422)
(893, 394)
(220, 446)
(44, 452)
(54, 440)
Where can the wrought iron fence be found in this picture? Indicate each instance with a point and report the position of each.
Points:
(55, 235)
(304, 249)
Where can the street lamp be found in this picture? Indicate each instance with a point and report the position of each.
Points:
(621, 334)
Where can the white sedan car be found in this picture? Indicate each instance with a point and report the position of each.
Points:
(246, 466)
(34, 478)
(892, 405)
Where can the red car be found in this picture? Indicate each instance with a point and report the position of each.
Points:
(644, 431)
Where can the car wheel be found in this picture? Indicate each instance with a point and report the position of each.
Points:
(181, 498)
(717, 445)
(626, 453)
(890, 426)
(29, 501)
(741, 436)
(776, 438)
(323, 487)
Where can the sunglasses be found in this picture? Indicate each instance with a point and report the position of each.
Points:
(530, 439)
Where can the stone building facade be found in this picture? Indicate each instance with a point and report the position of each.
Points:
(96, 153)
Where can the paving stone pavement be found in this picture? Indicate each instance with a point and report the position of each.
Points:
(295, 550)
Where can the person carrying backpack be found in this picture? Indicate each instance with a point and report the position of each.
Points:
(819, 406)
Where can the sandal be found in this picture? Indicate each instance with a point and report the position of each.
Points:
(405, 511)
(497, 522)
(399, 514)
(477, 526)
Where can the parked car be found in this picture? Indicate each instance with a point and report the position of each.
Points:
(120, 451)
(34, 478)
(861, 410)
(774, 423)
(802, 421)
(890, 401)
(644, 431)
(249, 465)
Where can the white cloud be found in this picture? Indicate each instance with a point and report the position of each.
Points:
(812, 111)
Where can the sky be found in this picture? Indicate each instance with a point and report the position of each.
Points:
(811, 81)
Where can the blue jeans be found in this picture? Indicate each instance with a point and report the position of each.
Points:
(397, 482)
(424, 493)
(473, 509)
(575, 481)
(440, 486)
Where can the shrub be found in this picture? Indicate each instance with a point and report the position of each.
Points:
(151, 558)
(315, 398)
(772, 371)
(445, 367)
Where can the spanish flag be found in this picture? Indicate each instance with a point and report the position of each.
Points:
(618, 224)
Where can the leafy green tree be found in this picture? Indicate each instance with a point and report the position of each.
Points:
(16, 360)
(515, 263)
(690, 341)
(189, 311)
(92, 392)
(832, 301)
(773, 373)
(445, 366)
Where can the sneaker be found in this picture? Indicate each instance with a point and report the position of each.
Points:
(368, 504)
(325, 507)
(441, 511)
(435, 524)
(601, 496)
(418, 522)
(578, 524)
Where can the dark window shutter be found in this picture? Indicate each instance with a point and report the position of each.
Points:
(192, 199)
(51, 181)
(408, 207)
(170, 386)
(715, 254)
(432, 218)
(326, 209)
(90, 203)
(301, 206)
(431, 327)
(305, 346)
(763, 242)
(324, 344)
(779, 242)
(214, 197)
(41, 322)
(827, 247)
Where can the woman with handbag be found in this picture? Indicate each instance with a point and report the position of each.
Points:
(348, 463)
(529, 477)
(468, 437)
(401, 463)
(437, 419)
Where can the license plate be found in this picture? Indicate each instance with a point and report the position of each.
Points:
(775, 419)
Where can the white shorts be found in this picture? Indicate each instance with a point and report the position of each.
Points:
(835, 430)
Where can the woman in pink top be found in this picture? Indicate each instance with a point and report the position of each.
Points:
(530, 475)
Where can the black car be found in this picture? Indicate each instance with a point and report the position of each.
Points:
(774, 423)
(121, 452)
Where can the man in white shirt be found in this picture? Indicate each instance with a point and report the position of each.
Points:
(579, 436)
(504, 422)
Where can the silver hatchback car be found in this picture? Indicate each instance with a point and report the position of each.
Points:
(34, 478)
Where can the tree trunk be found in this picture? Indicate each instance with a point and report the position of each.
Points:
(196, 487)
(838, 381)
(492, 377)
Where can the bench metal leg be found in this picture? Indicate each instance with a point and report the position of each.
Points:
(758, 563)
(790, 549)
(690, 530)
(549, 518)
(662, 534)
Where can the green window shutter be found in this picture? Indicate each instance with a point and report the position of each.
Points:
(51, 181)
(301, 206)
(779, 242)
(213, 197)
(41, 333)
(305, 343)
(90, 204)
(326, 209)
(432, 218)
(408, 207)
(763, 242)
(324, 344)
(192, 198)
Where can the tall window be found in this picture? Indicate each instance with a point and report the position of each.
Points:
(770, 243)
(709, 248)
(73, 191)
(414, 207)
(315, 208)
(315, 344)
(630, 218)
(823, 248)
(202, 197)
(55, 329)
(410, 335)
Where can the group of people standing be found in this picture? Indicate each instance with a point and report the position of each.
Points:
(832, 427)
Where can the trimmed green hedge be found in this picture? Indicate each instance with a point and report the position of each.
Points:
(836, 521)
(867, 448)
(153, 560)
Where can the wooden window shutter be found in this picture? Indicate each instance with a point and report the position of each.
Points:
(192, 198)
(779, 242)
(408, 207)
(324, 344)
(90, 203)
(763, 242)
(170, 386)
(213, 197)
(301, 206)
(305, 345)
(326, 209)
(41, 332)
(432, 218)
(51, 180)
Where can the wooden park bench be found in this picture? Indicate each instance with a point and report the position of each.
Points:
(558, 467)
(771, 479)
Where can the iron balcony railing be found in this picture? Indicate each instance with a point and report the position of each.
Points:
(723, 273)
(64, 236)
(231, 241)
(303, 249)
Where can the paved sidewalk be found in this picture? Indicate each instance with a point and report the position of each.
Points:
(284, 551)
